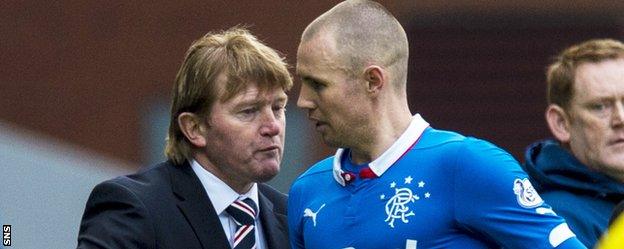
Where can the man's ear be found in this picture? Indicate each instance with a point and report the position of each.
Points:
(558, 122)
(376, 78)
(193, 128)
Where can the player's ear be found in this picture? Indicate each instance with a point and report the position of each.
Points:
(558, 122)
(193, 128)
(375, 78)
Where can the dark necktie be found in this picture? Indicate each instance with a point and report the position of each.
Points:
(244, 214)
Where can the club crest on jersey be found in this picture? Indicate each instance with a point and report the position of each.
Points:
(526, 194)
(397, 206)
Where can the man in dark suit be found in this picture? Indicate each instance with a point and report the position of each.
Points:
(226, 138)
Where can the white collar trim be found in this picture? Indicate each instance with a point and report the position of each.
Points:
(391, 155)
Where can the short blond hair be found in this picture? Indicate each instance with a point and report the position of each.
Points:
(235, 53)
(562, 72)
(364, 32)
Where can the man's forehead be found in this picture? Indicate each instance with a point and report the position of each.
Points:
(320, 45)
(595, 81)
(251, 92)
(608, 72)
(305, 57)
(317, 57)
(609, 64)
(228, 89)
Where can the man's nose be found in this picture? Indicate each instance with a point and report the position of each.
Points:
(304, 101)
(617, 120)
(271, 124)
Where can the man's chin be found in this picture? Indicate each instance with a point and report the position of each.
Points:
(265, 177)
(331, 141)
(618, 165)
(268, 172)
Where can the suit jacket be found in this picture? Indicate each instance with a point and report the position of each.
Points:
(166, 206)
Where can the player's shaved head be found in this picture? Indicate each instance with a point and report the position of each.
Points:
(364, 33)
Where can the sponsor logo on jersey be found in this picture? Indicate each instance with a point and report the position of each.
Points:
(308, 213)
(525, 194)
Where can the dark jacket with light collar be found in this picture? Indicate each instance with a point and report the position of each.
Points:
(166, 206)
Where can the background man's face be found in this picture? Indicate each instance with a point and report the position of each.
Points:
(245, 135)
(597, 116)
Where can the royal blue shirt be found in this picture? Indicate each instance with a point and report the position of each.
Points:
(430, 189)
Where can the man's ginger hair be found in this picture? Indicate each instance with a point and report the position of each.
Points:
(562, 72)
(236, 54)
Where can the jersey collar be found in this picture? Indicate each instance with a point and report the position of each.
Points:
(391, 155)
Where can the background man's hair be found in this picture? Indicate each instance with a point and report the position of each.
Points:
(562, 72)
(235, 54)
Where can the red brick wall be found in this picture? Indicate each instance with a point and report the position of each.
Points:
(81, 71)
(485, 75)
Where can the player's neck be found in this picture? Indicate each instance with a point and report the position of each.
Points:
(385, 131)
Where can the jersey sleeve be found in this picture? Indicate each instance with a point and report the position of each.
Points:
(495, 201)
(295, 231)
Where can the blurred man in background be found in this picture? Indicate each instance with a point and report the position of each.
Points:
(226, 137)
(581, 173)
(395, 182)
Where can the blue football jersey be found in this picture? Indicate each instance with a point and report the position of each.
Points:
(430, 189)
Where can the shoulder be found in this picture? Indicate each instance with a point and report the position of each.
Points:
(438, 138)
(323, 167)
(477, 151)
(147, 183)
(317, 178)
(278, 198)
(146, 180)
(119, 212)
(151, 175)
(475, 160)
(460, 146)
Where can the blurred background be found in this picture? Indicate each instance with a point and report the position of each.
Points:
(85, 85)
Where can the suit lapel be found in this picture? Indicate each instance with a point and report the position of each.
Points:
(196, 207)
(274, 232)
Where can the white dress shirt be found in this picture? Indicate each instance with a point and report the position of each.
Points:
(221, 195)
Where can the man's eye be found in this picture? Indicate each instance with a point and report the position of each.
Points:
(249, 111)
(598, 107)
(279, 110)
(316, 85)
